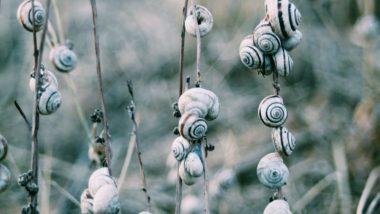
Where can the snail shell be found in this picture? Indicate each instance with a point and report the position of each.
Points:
(47, 79)
(191, 205)
(272, 111)
(283, 16)
(99, 178)
(200, 102)
(106, 200)
(277, 207)
(192, 127)
(268, 66)
(5, 177)
(251, 57)
(3, 147)
(86, 202)
(63, 58)
(193, 164)
(50, 101)
(283, 62)
(271, 171)
(203, 19)
(25, 16)
(265, 39)
(291, 42)
(283, 140)
(145, 212)
(185, 176)
(180, 148)
(247, 41)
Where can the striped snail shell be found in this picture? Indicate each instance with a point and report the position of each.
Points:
(272, 111)
(185, 176)
(47, 79)
(25, 16)
(279, 206)
(50, 101)
(283, 16)
(203, 18)
(99, 178)
(251, 57)
(192, 127)
(248, 40)
(193, 164)
(63, 58)
(86, 202)
(283, 62)
(283, 140)
(180, 148)
(5, 177)
(3, 147)
(106, 200)
(291, 42)
(200, 102)
(271, 171)
(265, 39)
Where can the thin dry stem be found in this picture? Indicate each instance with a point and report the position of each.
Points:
(198, 35)
(370, 184)
(127, 162)
(52, 34)
(59, 23)
(23, 115)
(205, 178)
(64, 192)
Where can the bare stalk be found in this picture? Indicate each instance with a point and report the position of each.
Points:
(23, 115)
(198, 35)
(205, 177)
(127, 161)
(370, 184)
(59, 23)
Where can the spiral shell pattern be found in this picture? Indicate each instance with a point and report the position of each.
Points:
(3, 147)
(192, 127)
(277, 207)
(203, 19)
(283, 140)
(251, 57)
(63, 58)
(193, 164)
(291, 42)
(25, 15)
(272, 111)
(271, 171)
(5, 178)
(265, 39)
(106, 200)
(185, 176)
(283, 62)
(180, 148)
(50, 101)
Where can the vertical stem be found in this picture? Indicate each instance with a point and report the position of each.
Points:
(198, 35)
(205, 178)
(181, 57)
(59, 23)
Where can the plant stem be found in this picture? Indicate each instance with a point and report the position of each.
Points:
(59, 23)
(181, 57)
(370, 184)
(198, 35)
(205, 177)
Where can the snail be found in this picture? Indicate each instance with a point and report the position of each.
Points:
(291, 42)
(25, 16)
(251, 57)
(271, 171)
(283, 140)
(193, 164)
(277, 207)
(106, 200)
(5, 177)
(200, 102)
(86, 202)
(63, 58)
(283, 16)
(265, 39)
(283, 62)
(99, 178)
(192, 127)
(50, 101)
(191, 205)
(3, 147)
(247, 41)
(203, 19)
(180, 148)
(268, 66)
(47, 78)
(272, 111)
(185, 176)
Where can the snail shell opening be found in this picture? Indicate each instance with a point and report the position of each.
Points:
(203, 18)
(50, 101)
(277, 207)
(3, 147)
(25, 15)
(251, 57)
(271, 171)
(63, 58)
(192, 127)
(283, 140)
(265, 39)
(272, 111)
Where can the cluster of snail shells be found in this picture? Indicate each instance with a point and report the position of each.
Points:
(102, 195)
(63, 58)
(5, 174)
(25, 15)
(191, 165)
(201, 17)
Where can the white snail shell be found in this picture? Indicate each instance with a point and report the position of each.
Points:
(86, 202)
(283, 62)
(193, 164)
(50, 101)
(283, 16)
(192, 127)
(5, 177)
(291, 42)
(200, 102)
(251, 57)
(283, 140)
(191, 205)
(63, 58)
(272, 111)
(248, 40)
(106, 200)
(3, 147)
(203, 19)
(185, 176)
(277, 207)
(145, 212)
(180, 148)
(47, 79)
(265, 39)
(25, 16)
(99, 178)
(271, 171)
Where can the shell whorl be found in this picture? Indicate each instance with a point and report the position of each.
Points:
(180, 148)
(185, 176)
(192, 127)
(99, 178)
(265, 39)
(3, 147)
(283, 140)
(25, 15)
(271, 171)
(283, 62)
(193, 164)
(272, 111)
(251, 57)
(63, 58)
(200, 102)
(203, 19)
(277, 207)
(291, 42)
(5, 177)
(50, 101)
(106, 200)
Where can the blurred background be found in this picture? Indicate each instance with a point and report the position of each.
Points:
(332, 98)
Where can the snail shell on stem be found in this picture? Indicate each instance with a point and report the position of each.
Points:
(185, 176)
(277, 207)
(272, 111)
(180, 148)
(268, 66)
(251, 57)
(283, 62)
(291, 42)
(3, 147)
(5, 178)
(99, 178)
(47, 79)
(283, 140)
(192, 127)
(265, 39)
(86, 202)
(25, 16)
(193, 164)
(106, 200)
(63, 58)
(203, 19)
(50, 101)
(271, 171)
(248, 40)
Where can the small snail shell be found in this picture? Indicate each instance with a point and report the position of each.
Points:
(291, 42)
(251, 57)
(5, 177)
(283, 140)
(247, 41)
(106, 200)
(191, 205)
(25, 17)
(3, 147)
(47, 78)
(180, 148)
(86, 202)
(185, 176)
(265, 39)
(203, 19)
(193, 164)
(271, 171)
(63, 58)
(272, 111)
(283, 16)
(192, 127)
(283, 62)
(277, 207)
(50, 101)
(200, 102)
(99, 178)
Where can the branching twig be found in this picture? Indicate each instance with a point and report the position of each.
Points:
(23, 115)
(198, 35)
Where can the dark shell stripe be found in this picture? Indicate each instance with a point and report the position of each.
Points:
(292, 26)
(281, 19)
(253, 64)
